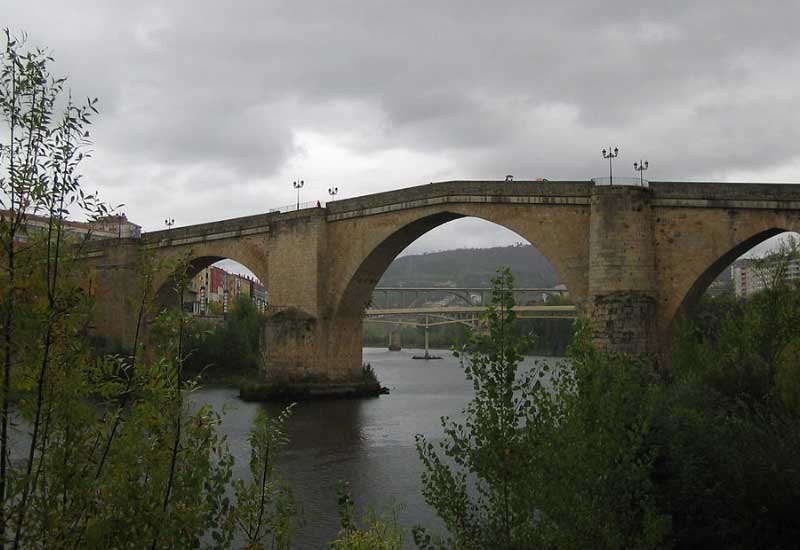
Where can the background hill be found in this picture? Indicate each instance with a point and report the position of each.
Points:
(471, 267)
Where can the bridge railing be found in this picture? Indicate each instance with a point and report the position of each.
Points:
(294, 207)
(627, 181)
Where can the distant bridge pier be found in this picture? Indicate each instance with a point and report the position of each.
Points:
(394, 340)
(427, 334)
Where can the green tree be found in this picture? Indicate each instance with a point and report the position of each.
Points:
(106, 453)
(731, 424)
(598, 452)
(231, 348)
(265, 513)
(478, 481)
(39, 160)
(547, 457)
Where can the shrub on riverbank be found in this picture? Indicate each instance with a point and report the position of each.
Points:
(733, 428)
(96, 452)
(372, 532)
(618, 455)
(227, 351)
(534, 467)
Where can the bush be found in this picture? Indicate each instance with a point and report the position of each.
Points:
(546, 457)
(229, 349)
(605, 452)
(379, 533)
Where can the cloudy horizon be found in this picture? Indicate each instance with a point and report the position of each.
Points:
(210, 110)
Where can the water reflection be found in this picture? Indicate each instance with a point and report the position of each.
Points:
(367, 442)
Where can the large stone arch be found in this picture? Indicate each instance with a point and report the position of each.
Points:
(559, 232)
(694, 246)
(360, 249)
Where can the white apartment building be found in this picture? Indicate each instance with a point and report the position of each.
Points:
(749, 277)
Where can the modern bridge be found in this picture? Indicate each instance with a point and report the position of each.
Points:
(468, 295)
(538, 311)
(470, 316)
(632, 257)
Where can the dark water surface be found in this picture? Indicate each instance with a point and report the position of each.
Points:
(367, 442)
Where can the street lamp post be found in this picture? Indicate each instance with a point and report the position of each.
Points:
(610, 155)
(298, 185)
(169, 222)
(641, 167)
(332, 191)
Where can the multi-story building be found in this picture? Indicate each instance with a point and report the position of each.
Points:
(723, 284)
(259, 295)
(750, 276)
(117, 226)
(213, 290)
(107, 227)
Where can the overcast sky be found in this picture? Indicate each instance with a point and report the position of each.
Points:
(209, 109)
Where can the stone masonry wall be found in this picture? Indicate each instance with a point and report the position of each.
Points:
(625, 322)
(622, 280)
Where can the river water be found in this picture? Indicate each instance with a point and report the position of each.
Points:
(366, 442)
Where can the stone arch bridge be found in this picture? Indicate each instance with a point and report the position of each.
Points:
(632, 257)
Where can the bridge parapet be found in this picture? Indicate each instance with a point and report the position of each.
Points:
(622, 181)
(524, 192)
(232, 227)
(720, 193)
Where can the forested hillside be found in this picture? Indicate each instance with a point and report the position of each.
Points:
(471, 267)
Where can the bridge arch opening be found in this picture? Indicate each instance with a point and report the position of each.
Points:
(733, 273)
(375, 262)
(449, 257)
(213, 285)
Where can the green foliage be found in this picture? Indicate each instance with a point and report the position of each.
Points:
(604, 453)
(478, 480)
(553, 336)
(378, 534)
(114, 458)
(232, 347)
(549, 457)
(732, 428)
(368, 374)
(597, 453)
(787, 376)
(104, 452)
(265, 513)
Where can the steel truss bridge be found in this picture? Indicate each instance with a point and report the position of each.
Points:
(428, 316)
(400, 296)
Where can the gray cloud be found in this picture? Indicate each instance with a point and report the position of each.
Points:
(210, 109)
